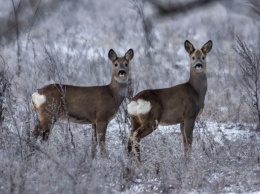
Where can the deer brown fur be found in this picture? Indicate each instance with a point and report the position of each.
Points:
(168, 106)
(95, 105)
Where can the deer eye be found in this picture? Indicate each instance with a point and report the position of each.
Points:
(126, 64)
(193, 58)
(116, 64)
(203, 58)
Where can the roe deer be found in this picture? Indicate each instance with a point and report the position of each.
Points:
(168, 106)
(95, 105)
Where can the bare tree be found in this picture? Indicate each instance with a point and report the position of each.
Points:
(138, 6)
(250, 69)
(23, 16)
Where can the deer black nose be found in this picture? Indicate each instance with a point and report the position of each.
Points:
(198, 66)
(121, 73)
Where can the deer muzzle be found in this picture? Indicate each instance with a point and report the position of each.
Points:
(122, 73)
(198, 66)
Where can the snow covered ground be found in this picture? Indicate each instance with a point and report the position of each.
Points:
(225, 159)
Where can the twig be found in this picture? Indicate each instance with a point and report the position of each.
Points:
(17, 35)
(38, 148)
(33, 21)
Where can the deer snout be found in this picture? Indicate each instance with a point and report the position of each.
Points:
(198, 66)
(122, 73)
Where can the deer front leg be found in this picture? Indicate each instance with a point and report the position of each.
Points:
(94, 141)
(187, 135)
(101, 128)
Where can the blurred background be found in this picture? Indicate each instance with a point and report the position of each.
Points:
(62, 41)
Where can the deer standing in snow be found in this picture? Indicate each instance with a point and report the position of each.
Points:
(95, 105)
(168, 106)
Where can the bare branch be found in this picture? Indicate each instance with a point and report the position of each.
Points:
(250, 67)
(39, 149)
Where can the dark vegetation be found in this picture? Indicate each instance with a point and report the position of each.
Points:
(249, 64)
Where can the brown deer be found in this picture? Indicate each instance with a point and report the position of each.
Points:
(95, 105)
(168, 106)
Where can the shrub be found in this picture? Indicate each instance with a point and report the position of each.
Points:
(250, 71)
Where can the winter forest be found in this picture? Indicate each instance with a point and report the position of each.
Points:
(67, 42)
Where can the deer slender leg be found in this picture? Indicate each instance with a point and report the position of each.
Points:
(182, 132)
(93, 141)
(184, 140)
(101, 128)
(135, 125)
(43, 129)
(36, 131)
(187, 135)
(47, 119)
(136, 146)
(143, 132)
(147, 127)
(46, 132)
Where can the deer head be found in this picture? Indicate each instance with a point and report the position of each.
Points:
(120, 69)
(198, 56)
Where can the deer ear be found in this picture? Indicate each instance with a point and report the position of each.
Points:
(112, 55)
(189, 47)
(129, 54)
(207, 47)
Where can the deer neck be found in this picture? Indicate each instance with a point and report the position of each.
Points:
(118, 89)
(199, 84)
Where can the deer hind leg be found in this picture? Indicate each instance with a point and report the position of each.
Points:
(46, 122)
(148, 125)
(135, 125)
(187, 136)
(43, 129)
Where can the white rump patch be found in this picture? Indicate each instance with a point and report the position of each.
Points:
(38, 99)
(132, 108)
(139, 107)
